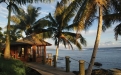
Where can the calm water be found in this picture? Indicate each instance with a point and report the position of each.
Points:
(108, 57)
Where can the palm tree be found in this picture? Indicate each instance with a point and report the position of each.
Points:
(59, 24)
(14, 33)
(113, 16)
(12, 4)
(85, 16)
(27, 22)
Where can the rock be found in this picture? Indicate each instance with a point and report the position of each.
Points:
(97, 64)
(101, 72)
(76, 72)
(116, 71)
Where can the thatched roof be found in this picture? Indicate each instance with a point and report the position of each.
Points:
(31, 40)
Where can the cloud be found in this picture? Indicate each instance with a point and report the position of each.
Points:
(90, 33)
(3, 11)
(53, 7)
(108, 43)
(44, 13)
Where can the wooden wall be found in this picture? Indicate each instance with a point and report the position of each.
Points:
(34, 53)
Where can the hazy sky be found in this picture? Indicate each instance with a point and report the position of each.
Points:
(107, 38)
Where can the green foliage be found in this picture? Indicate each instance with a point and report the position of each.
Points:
(60, 26)
(11, 67)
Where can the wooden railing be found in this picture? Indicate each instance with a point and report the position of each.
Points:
(53, 62)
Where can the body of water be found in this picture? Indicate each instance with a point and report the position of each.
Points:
(108, 57)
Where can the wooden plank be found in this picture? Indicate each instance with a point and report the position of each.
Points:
(48, 70)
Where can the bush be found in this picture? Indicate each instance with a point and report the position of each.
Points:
(11, 67)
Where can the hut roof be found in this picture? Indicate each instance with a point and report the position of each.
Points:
(31, 40)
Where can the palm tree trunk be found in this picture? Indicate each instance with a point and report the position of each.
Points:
(57, 52)
(7, 48)
(89, 70)
(57, 49)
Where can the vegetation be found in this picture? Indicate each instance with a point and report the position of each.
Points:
(112, 17)
(11, 4)
(58, 25)
(61, 29)
(86, 14)
(15, 67)
(11, 67)
(26, 21)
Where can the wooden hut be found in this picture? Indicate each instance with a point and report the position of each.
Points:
(29, 49)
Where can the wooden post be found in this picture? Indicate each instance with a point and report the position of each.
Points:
(44, 57)
(34, 53)
(67, 64)
(54, 61)
(81, 67)
(50, 62)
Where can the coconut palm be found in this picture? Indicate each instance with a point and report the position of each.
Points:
(27, 22)
(86, 15)
(11, 4)
(60, 27)
(113, 16)
(14, 33)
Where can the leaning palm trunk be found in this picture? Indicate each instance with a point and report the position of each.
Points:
(89, 70)
(7, 48)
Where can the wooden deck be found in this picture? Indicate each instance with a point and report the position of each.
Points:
(48, 70)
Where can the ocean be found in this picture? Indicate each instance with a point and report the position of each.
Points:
(108, 57)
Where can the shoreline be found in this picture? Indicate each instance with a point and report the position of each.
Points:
(114, 71)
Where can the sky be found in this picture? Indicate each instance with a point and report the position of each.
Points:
(107, 37)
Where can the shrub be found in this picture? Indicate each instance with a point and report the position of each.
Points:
(11, 67)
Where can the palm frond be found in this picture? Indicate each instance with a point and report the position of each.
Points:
(52, 20)
(67, 17)
(66, 42)
(59, 9)
(73, 36)
(117, 31)
(33, 13)
(81, 6)
(111, 18)
(76, 43)
(15, 19)
(73, 27)
(115, 5)
(82, 40)
(87, 17)
(42, 23)
(21, 2)
(15, 8)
